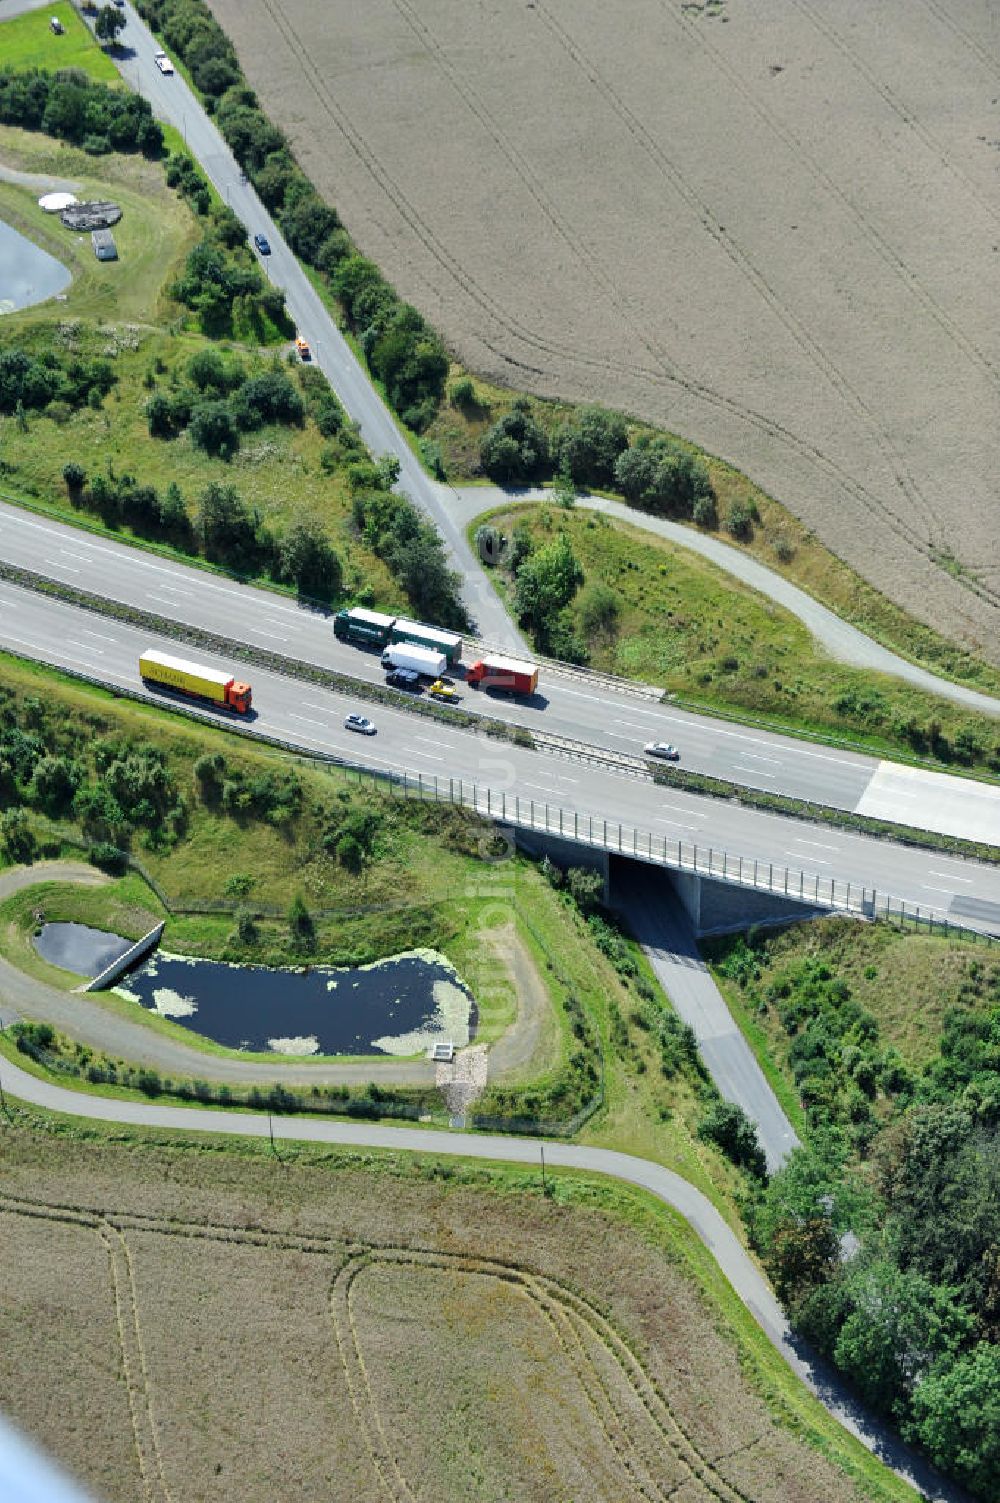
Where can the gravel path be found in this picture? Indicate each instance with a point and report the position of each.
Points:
(842, 641)
(37, 179)
(669, 1188)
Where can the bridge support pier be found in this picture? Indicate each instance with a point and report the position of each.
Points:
(725, 908)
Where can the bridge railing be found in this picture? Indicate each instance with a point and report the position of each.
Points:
(797, 884)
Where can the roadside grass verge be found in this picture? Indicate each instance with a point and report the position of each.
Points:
(654, 611)
(28, 42)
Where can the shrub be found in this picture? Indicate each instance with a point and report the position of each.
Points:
(740, 519)
(212, 429)
(17, 839)
(75, 477)
(727, 1125)
(307, 559)
(515, 449)
(108, 857)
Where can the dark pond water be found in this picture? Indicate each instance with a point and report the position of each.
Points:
(398, 1006)
(79, 949)
(27, 273)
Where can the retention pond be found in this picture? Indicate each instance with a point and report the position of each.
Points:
(399, 1006)
(28, 274)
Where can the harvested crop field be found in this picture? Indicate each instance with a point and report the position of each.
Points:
(772, 229)
(199, 1324)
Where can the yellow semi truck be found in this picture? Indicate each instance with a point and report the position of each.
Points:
(213, 684)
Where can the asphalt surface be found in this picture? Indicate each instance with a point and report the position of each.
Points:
(312, 718)
(613, 717)
(663, 929)
(841, 640)
(173, 101)
(705, 1221)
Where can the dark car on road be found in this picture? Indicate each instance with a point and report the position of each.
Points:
(262, 244)
(403, 678)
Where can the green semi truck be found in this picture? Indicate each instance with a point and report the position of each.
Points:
(372, 629)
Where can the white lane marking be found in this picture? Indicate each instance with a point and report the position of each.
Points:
(84, 648)
(162, 599)
(81, 558)
(717, 730)
(539, 788)
(926, 887)
(755, 771)
(428, 756)
(950, 876)
(85, 633)
(272, 635)
(306, 721)
(759, 757)
(676, 824)
(66, 569)
(817, 843)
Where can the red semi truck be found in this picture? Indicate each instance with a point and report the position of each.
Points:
(503, 673)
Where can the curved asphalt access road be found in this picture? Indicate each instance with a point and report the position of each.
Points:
(841, 640)
(312, 718)
(731, 1257)
(612, 716)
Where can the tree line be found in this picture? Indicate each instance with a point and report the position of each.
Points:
(401, 348)
(882, 1234)
(73, 107)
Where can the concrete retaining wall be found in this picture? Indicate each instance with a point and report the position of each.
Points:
(117, 968)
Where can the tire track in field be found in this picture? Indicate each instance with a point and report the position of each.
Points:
(890, 257)
(393, 1483)
(701, 210)
(571, 1318)
(145, 1437)
(766, 426)
(981, 53)
(144, 1427)
(924, 543)
(903, 113)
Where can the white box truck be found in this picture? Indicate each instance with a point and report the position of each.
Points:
(418, 659)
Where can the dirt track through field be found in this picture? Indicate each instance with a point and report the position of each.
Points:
(775, 231)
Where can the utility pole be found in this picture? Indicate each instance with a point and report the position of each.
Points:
(545, 1185)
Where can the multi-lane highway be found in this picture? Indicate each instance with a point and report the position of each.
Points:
(567, 704)
(312, 718)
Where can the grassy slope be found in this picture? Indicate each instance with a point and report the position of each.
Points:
(804, 560)
(906, 981)
(28, 42)
(686, 625)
